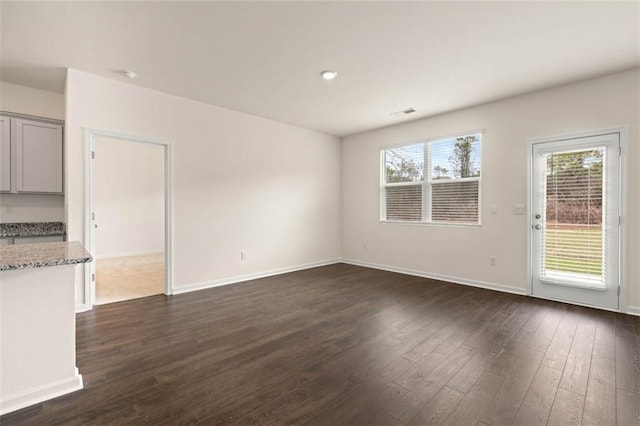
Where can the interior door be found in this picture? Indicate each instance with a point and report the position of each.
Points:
(575, 239)
(128, 219)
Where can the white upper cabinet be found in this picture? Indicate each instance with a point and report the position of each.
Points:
(30, 156)
(38, 157)
(5, 154)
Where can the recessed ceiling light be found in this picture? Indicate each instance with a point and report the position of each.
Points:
(328, 74)
(129, 74)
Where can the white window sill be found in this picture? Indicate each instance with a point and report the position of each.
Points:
(436, 224)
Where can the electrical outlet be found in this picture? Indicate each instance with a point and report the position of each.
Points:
(492, 260)
(8, 209)
(243, 255)
(364, 246)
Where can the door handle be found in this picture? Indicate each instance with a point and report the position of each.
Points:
(537, 227)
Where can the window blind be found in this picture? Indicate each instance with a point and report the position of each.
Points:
(433, 182)
(455, 202)
(404, 174)
(404, 203)
(455, 173)
(574, 235)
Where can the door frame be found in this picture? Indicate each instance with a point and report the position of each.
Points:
(90, 136)
(622, 249)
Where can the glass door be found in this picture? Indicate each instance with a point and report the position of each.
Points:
(575, 224)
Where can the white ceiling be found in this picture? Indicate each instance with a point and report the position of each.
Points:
(264, 58)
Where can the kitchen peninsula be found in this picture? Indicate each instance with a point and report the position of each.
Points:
(37, 322)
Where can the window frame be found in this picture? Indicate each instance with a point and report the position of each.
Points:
(428, 182)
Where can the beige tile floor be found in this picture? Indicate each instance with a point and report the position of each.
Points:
(124, 278)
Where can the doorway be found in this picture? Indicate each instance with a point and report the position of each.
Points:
(575, 220)
(127, 217)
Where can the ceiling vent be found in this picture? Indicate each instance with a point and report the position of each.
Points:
(404, 112)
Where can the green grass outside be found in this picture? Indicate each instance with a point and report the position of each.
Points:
(573, 248)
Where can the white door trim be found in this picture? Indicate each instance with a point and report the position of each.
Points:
(623, 130)
(89, 269)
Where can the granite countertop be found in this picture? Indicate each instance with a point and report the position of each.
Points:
(32, 229)
(41, 255)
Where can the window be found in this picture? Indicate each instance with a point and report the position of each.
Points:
(432, 182)
(574, 248)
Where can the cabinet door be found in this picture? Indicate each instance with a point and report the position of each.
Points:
(39, 157)
(5, 154)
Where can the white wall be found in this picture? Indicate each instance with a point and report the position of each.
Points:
(37, 336)
(40, 103)
(31, 208)
(128, 187)
(239, 182)
(462, 253)
(25, 100)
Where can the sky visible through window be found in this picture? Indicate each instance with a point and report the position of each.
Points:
(408, 161)
(442, 165)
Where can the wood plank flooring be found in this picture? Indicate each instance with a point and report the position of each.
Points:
(129, 277)
(348, 345)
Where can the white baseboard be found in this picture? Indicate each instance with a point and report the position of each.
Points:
(241, 278)
(422, 274)
(128, 254)
(633, 310)
(82, 308)
(42, 393)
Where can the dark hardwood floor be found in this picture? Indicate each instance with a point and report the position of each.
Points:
(348, 345)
